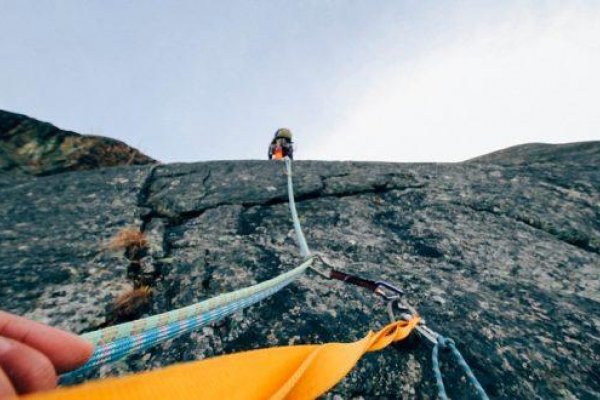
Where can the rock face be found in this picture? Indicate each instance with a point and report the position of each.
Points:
(503, 257)
(39, 148)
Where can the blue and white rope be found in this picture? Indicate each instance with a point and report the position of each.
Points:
(127, 341)
(111, 352)
(443, 342)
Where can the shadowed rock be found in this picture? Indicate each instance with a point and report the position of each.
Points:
(504, 258)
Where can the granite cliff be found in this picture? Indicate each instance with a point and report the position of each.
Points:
(501, 255)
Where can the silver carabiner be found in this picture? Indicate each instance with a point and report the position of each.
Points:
(396, 292)
(406, 313)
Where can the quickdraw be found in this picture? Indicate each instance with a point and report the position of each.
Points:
(392, 295)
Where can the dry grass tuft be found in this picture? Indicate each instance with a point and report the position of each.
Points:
(132, 304)
(128, 238)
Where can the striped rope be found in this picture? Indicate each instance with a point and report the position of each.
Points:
(105, 354)
(116, 342)
(128, 329)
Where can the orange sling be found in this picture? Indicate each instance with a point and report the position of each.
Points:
(289, 372)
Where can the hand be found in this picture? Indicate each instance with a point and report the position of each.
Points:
(31, 355)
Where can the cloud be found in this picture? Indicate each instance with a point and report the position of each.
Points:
(531, 77)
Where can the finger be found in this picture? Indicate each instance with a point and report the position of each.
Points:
(6, 388)
(28, 369)
(65, 350)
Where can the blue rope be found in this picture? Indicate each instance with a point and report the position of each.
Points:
(123, 347)
(445, 343)
(439, 380)
(129, 343)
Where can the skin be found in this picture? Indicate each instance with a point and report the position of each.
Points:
(33, 354)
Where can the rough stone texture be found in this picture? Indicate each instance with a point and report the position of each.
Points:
(505, 259)
(53, 235)
(32, 147)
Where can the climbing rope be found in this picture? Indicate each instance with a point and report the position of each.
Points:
(304, 250)
(446, 343)
(119, 341)
(116, 342)
(128, 329)
(126, 345)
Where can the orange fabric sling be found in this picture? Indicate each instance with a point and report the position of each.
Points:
(289, 372)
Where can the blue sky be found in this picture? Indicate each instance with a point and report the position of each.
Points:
(362, 80)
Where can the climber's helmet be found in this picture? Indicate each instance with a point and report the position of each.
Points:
(283, 133)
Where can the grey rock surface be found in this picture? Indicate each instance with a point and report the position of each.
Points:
(505, 259)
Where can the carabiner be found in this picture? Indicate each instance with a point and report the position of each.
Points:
(407, 312)
(397, 292)
(319, 271)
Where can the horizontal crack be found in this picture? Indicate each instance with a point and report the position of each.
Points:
(181, 217)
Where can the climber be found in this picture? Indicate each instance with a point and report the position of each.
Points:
(281, 146)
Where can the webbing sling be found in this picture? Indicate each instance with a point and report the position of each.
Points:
(290, 372)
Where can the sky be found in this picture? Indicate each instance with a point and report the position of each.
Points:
(400, 81)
